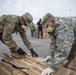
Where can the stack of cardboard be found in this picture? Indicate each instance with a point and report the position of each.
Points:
(36, 31)
(26, 65)
(65, 71)
(45, 34)
(21, 65)
(70, 70)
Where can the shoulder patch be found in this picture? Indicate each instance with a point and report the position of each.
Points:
(10, 25)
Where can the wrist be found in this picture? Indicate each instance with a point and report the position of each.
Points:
(17, 48)
(31, 49)
(21, 52)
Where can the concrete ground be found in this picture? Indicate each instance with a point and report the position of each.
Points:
(41, 46)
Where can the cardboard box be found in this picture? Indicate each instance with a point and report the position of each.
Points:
(26, 65)
(72, 65)
(4, 71)
(45, 34)
(65, 71)
(21, 65)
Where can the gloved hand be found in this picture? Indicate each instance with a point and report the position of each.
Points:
(21, 52)
(47, 59)
(33, 52)
(47, 71)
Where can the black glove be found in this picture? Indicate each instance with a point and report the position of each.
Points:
(33, 52)
(21, 52)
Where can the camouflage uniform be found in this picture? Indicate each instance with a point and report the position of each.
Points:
(9, 25)
(61, 42)
(73, 49)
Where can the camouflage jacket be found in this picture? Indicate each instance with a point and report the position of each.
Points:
(63, 41)
(9, 25)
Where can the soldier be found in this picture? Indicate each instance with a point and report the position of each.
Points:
(40, 28)
(62, 38)
(73, 49)
(11, 24)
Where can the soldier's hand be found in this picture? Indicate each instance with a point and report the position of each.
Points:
(21, 52)
(34, 53)
(47, 71)
(47, 59)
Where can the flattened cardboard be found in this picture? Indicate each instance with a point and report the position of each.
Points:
(65, 71)
(4, 72)
(25, 65)
(72, 65)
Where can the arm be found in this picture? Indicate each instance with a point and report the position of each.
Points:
(26, 42)
(38, 23)
(24, 38)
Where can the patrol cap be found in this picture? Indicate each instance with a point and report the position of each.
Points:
(4, 17)
(47, 17)
(28, 18)
(0, 18)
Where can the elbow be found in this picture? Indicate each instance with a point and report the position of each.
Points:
(5, 38)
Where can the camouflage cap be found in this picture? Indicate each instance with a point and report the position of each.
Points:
(47, 17)
(28, 18)
(4, 17)
(0, 18)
